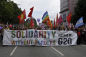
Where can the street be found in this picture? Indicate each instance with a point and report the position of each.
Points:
(33, 51)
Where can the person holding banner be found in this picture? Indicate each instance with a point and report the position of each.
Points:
(79, 36)
(83, 40)
(1, 36)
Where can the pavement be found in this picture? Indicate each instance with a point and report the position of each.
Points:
(34, 51)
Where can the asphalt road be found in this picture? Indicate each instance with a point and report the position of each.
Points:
(32, 51)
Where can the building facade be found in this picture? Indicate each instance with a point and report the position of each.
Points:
(67, 6)
(72, 5)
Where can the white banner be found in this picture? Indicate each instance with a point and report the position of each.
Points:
(39, 37)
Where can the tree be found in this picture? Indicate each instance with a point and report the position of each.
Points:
(9, 12)
(80, 11)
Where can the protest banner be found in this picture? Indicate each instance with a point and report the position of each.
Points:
(39, 37)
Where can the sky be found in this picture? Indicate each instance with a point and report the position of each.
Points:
(40, 7)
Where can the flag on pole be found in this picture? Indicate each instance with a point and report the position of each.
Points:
(79, 23)
(49, 23)
(30, 14)
(24, 12)
(45, 19)
(69, 18)
(31, 23)
(60, 20)
(57, 20)
(54, 23)
(22, 17)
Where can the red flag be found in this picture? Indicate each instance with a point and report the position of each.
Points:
(22, 17)
(30, 14)
(24, 12)
(60, 19)
(31, 23)
(57, 20)
(54, 23)
(69, 18)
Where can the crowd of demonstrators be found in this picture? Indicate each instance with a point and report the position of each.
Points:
(81, 31)
(83, 35)
(79, 36)
(16, 27)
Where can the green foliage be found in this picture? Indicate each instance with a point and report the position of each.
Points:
(80, 11)
(9, 12)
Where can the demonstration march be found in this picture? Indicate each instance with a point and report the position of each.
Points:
(44, 34)
(42, 28)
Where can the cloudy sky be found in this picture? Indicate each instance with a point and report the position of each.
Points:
(40, 6)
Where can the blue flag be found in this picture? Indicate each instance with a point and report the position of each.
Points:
(79, 23)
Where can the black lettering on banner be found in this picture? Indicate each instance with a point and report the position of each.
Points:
(64, 41)
(69, 41)
(60, 41)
